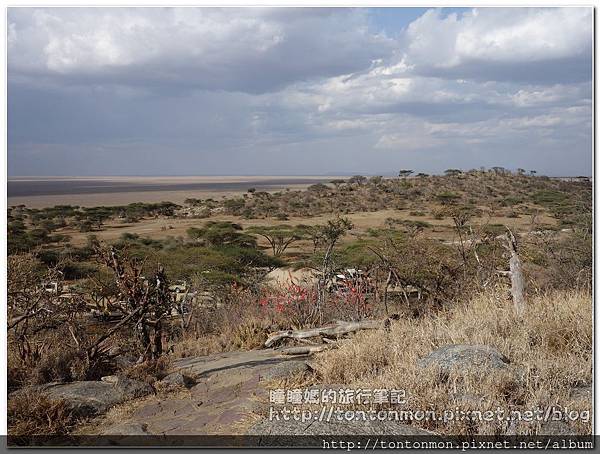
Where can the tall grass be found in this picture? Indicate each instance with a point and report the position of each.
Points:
(550, 353)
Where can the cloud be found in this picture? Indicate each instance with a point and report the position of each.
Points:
(288, 90)
(503, 44)
(234, 49)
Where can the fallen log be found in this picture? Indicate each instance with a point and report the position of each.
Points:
(306, 349)
(335, 330)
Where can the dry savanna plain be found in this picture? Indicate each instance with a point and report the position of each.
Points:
(469, 290)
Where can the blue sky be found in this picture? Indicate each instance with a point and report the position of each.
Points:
(149, 91)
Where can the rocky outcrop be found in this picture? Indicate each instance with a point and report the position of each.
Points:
(226, 389)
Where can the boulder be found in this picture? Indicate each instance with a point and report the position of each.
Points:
(88, 398)
(174, 379)
(463, 357)
(582, 392)
(132, 389)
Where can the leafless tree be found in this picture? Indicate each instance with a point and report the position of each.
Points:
(146, 301)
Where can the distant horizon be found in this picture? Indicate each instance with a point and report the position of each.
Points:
(336, 174)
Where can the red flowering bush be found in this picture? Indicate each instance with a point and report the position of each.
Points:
(298, 304)
(351, 300)
(293, 302)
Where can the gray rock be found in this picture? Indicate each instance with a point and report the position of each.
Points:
(132, 389)
(206, 366)
(177, 380)
(464, 357)
(174, 379)
(332, 427)
(87, 398)
(131, 428)
(285, 369)
(583, 392)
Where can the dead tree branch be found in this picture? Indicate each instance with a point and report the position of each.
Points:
(515, 274)
(336, 330)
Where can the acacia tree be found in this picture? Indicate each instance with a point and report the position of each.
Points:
(424, 264)
(452, 172)
(357, 179)
(405, 173)
(327, 236)
(279, 237)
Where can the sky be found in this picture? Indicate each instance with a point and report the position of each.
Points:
(289, 91)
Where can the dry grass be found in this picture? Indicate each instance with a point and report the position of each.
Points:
(248, 334)
(56, 360)
(191, 345)
(550, 352)
(32, 413)
(150, 371)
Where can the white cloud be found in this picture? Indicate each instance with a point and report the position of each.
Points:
(245, 49)
(499, 35)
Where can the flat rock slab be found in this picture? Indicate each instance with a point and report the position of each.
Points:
(229, 388)
(464, 357)
(266, 360)
(88, 398)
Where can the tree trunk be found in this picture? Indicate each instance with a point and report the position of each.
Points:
(385, 292)
(516, 275)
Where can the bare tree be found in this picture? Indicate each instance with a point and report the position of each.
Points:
(36, 302)
(146, 301)
(461, 219)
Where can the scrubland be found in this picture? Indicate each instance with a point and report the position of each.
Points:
(90, 290)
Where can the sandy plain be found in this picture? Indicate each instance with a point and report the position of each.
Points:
(40, 192)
